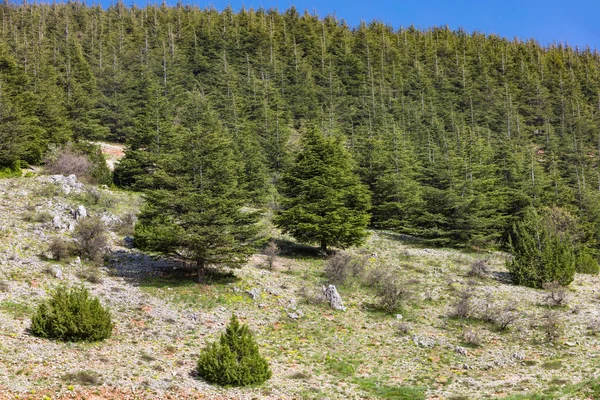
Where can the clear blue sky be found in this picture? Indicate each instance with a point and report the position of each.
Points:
(576, 22)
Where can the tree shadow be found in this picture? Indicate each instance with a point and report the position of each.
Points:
(290, 249)
(144, 270)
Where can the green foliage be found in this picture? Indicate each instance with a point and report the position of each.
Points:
(587, 263)
(454, 134)
(72, 315)
(324, 201)
(390, 392)
(195, 209)
(541, 252)
(234, 360)
(13, 172)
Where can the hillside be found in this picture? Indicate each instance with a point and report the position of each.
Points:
(163, 318)
(455, 133)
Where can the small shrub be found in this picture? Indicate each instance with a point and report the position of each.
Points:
(126, 224)
(271, 251)
(91, 237)
(391, 293)
(234, 359)
(594, 326)
(587, 264)
(312, 295)
(556, 295)
(471, 337)
(60, 249)
(86, 378)
(479, 269)
(342, 266)
(90, 274)
(72, 315)
(403, 328)
(552, 326)
(67, 161)
(4, 286)
(49, 191)
(504, 318)
(37, 217)
(463, 307)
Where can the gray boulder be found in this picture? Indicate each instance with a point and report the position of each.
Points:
(335, 300)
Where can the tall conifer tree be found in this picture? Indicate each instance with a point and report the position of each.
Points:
(324, 200)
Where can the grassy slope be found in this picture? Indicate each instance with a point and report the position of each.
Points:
(164, 319)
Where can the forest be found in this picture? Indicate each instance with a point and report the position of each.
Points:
(454, 134)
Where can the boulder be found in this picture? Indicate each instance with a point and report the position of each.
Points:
(335, 300)
(253, 293)
(81, 212)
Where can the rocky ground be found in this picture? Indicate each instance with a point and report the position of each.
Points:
(163, 318)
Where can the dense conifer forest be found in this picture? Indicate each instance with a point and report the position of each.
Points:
(455, 134)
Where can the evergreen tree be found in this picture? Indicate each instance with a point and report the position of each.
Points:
(234, 359)
(324, 201)
(194, 209)
(542, 252)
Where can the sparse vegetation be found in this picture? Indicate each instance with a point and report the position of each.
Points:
(271, 251)
(91, 236)
(60, 249)
(463, 307)
(90, 274)
(552, 325)
(556, 295)
(86, 378)
(341, 266)
(479, 269)
(68, 161)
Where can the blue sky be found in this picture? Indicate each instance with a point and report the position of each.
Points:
(576, 22)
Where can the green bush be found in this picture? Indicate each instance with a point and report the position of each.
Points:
(587, 264)
(72, 315)
(234, 360)
(541, 251)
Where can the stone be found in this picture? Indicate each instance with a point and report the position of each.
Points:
(335, 300)
(295, 314)
(460, 350)
(253, 293)
(81, 212)
(58, 273)
(424, 342)
(56, 222)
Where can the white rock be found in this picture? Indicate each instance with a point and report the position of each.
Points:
(335, 300)
(56, 222)
(81, 212)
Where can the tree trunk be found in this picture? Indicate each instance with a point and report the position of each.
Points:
(323, 247)
(201, 270)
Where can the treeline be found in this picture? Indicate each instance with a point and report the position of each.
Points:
(454, 133)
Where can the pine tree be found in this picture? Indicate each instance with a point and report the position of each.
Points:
(541, 252)
(234, 359)
(324, 201)
(194, 210)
